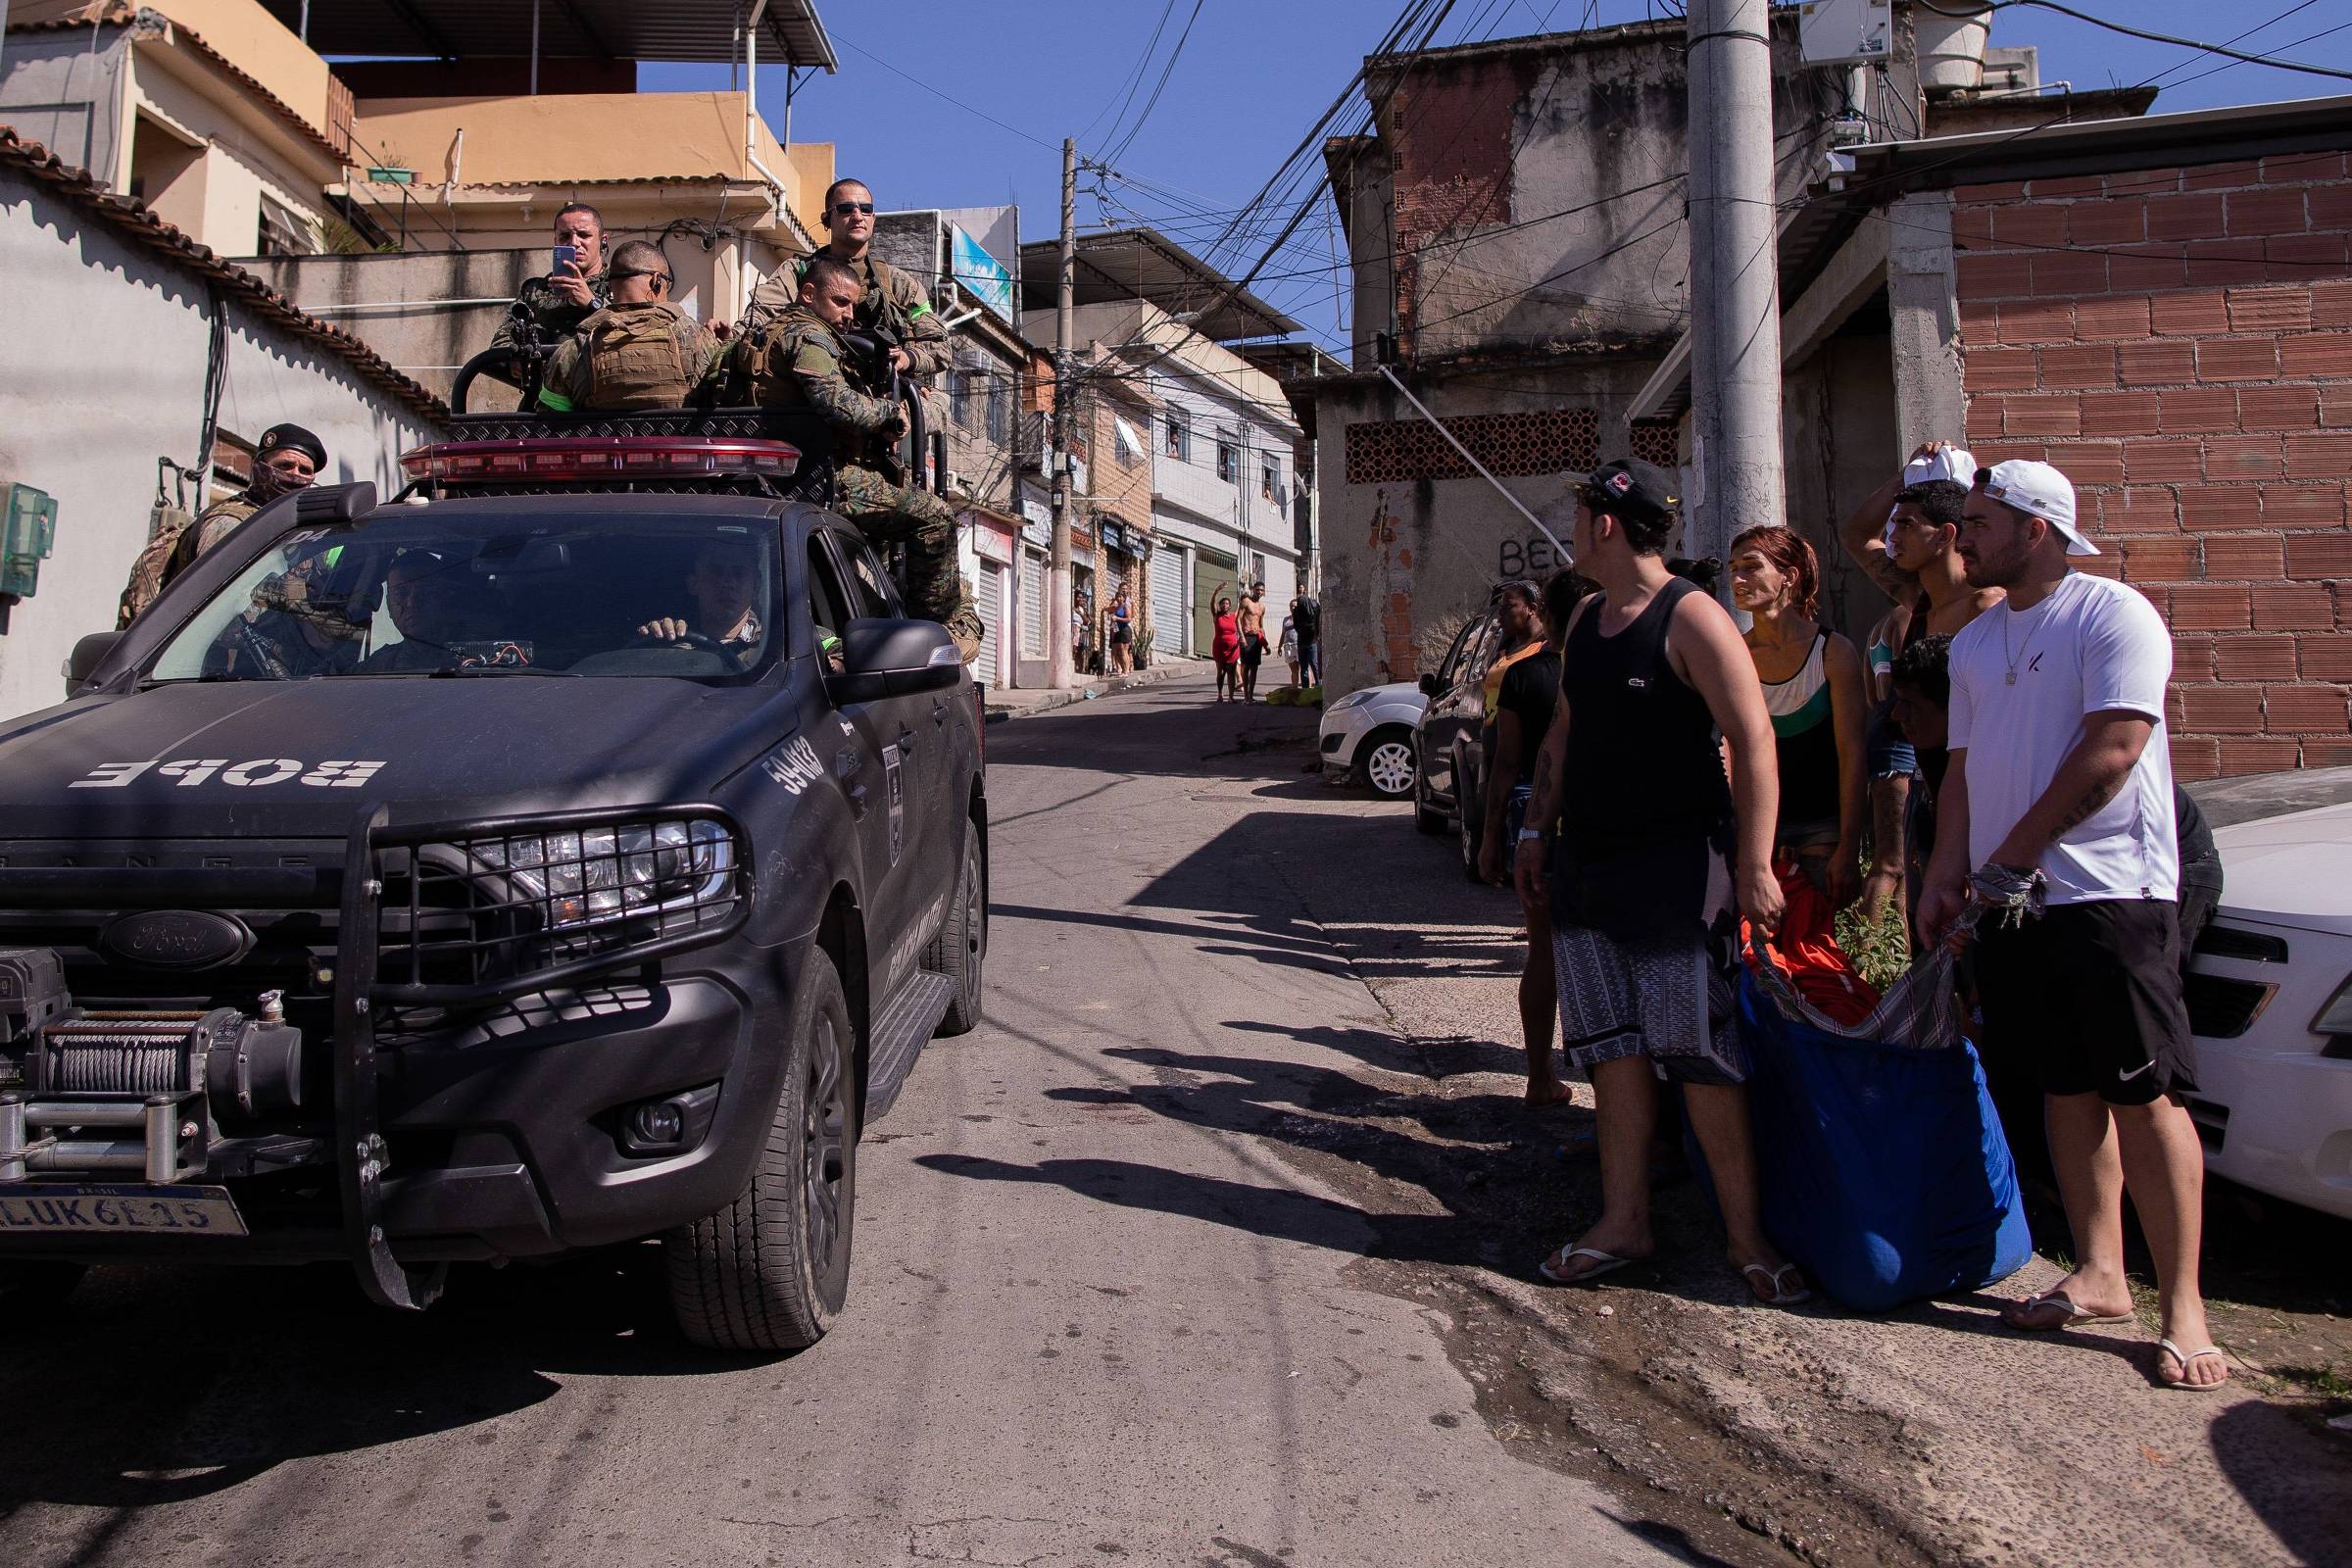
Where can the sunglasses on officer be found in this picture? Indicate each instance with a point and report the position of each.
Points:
(643, 272)
(845, 209)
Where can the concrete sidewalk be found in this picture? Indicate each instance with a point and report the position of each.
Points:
(1019, 702)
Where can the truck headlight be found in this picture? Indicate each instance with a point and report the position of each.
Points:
(593, 875)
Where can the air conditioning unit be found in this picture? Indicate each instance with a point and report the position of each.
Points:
(1845, 32)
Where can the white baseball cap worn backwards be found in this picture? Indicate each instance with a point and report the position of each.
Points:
(2037, 490)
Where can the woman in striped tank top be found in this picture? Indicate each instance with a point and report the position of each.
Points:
(1819, 708)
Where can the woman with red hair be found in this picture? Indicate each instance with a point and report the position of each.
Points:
(1819, 708)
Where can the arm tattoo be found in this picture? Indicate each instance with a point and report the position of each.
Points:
(1542, 804)
(2084, 810)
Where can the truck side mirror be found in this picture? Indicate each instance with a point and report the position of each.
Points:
(1430, 686)
(889, 657)
(87, 654)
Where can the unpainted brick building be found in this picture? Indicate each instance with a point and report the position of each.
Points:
(2167, 316)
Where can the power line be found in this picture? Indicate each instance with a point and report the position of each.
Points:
(2310, 37)
(1166, 71)
(1135, 74)
(948, 96)
(2142, 32)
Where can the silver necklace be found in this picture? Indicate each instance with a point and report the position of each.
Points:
(2007, 616)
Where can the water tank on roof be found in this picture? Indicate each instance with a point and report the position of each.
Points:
(1952, 48)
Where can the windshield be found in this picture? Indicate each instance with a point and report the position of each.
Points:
(419, 591)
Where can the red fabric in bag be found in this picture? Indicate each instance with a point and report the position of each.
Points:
(1805, 949)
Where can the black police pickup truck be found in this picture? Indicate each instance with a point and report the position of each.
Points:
(578, 849)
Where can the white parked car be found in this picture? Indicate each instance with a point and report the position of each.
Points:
(1368, 735)
(2270, 989)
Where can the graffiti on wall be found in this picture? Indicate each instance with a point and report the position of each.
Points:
(1532, 557)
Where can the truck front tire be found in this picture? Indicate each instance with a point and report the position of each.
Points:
(770, 1271)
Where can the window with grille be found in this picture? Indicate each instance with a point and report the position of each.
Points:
(1658, 441)
(1533, 442)
(962, 385)
(1180, 438)
(1227, 461)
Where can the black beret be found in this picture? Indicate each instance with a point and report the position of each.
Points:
(292, 438)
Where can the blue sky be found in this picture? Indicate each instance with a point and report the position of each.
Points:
(1254, 75)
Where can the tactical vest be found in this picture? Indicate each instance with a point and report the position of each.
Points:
(769, 352)
(633, 358)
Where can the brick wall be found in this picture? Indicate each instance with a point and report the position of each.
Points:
(2180, 342)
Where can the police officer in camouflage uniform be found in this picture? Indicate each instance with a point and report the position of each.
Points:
(301, 623)
(560, 301)
(287, 459)
(893, 303)
(639, 352)
(795, 362)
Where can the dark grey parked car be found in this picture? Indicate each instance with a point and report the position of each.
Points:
(1449, 741)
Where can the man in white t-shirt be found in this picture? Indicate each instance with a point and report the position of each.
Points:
(2061, 771)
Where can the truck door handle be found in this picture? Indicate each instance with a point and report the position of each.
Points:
(906, 743)
(847, 764)
(939, 710)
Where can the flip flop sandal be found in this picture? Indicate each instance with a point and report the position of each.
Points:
(2184, 1359)
(2075, 1314)
(1604, 1264)
(1795, 1295)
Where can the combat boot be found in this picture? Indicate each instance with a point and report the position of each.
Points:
(963, 624)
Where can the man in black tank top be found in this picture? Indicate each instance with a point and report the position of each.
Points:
(1644, 906)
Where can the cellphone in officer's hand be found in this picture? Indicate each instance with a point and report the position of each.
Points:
(566, 256)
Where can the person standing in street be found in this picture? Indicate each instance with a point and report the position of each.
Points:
(287, 459)
(1530, 694)
(1904, 534)
(1122, 633)
(1813, 689)
(1287, 646)
(1306, 618)
(2059, 794)
(1225, 648)
(1253, 618)
(1658, 855)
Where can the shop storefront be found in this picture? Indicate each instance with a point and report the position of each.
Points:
(994, 542)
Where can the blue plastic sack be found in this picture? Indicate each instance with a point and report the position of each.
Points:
(1881, 1166)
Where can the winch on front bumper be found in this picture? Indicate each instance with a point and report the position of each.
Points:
(129, 1131)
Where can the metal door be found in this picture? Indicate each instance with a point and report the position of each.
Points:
(1171, 616)
(1033, 605)
(992, 620)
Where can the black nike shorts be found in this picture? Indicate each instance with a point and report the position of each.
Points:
(2089, 996)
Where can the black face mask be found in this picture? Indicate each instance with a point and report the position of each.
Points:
(268, 484)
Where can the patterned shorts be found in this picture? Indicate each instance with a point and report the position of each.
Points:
(1675, 1002)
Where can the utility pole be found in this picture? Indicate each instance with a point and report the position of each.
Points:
(1065, 323)
(1734, 275)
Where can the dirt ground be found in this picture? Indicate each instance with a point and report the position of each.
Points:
(1931, 1433)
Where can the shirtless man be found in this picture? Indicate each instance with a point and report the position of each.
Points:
(1252, 617)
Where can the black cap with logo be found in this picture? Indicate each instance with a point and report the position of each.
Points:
(1632, 488)
(292, 438)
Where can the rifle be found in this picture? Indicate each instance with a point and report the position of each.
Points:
(872, 371)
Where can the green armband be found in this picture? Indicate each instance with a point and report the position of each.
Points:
(554, 402)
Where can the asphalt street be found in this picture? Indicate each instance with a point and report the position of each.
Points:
(1094, 1318)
